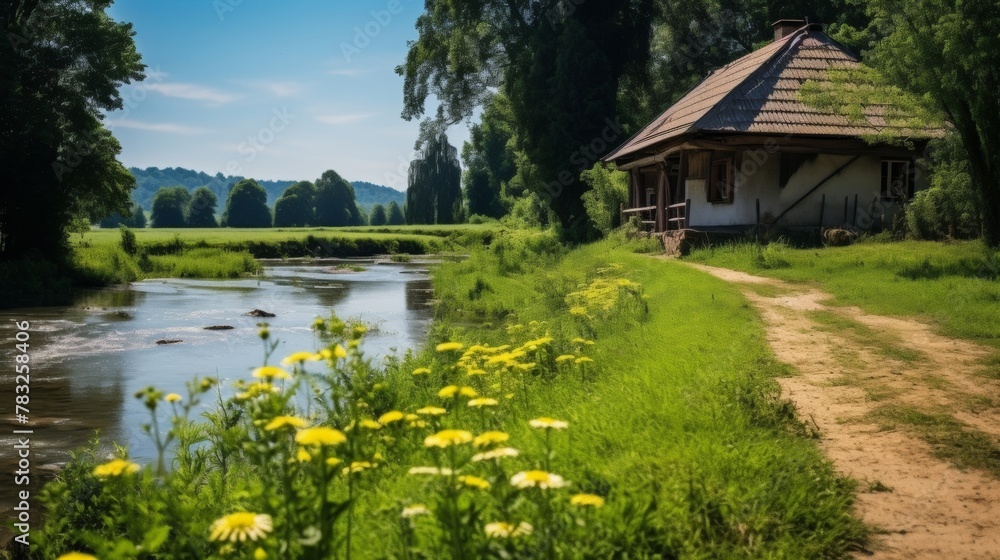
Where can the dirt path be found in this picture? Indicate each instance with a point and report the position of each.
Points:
(857, 372)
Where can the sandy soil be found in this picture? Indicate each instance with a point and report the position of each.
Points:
(931, 509)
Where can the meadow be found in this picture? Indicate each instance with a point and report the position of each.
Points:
(952, 285)
(585, 403)
(99, 258)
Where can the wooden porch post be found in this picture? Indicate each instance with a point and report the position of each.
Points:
(661, 199)
(633, 196)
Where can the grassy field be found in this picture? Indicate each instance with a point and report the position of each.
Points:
(675, 426)
(953, 285)
(229, 253)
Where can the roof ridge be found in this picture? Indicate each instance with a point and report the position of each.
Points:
(792, 42)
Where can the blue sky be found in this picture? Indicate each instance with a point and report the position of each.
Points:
(271, 89)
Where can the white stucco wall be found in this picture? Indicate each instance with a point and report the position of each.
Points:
(758, 177)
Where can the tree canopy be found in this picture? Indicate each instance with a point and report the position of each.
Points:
(62, 65)
(559, 63)
(296, 207)
(434, 195)
(490, 159)
(169, 207)
(335, 203)
(246, 206)
(379, 216)
(201, 209)
(396, 216)
(135, 219)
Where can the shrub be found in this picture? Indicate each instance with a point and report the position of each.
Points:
(128, 242)
(609, 190)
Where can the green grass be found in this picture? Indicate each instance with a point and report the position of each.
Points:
(954, 285)
(952, 440)
(685, 409)
(229, 253)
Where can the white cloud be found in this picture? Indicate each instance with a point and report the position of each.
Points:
(156, 127)
(345, 119)
(192, 91)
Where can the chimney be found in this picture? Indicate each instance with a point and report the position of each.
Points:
(785, 27)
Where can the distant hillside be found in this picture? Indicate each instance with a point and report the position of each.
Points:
(149, 180)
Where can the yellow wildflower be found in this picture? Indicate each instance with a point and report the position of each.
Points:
(390, 417)
(303, 456)
(259, 554)
(369, 424)
(503, 530)
(448, 392)
(241, 526)
(422, 371)
(271, 372)
(449, 346)
(499, 453)
(117, 467)
(537, 479)
(339, 352)
(468, 392)
(298, 358)
(285, 422)
(545, 423)
(474, 482)
(477, 403)
(447, 438)
(332, 461)
(475, 371)
(324, 354)
(565, 358)
(583, 360)
(431, 411)
(490, 438)
(356, 467)
(320, 436)
(173, 398)
(415, 510)
(76, 556)
(587, 500)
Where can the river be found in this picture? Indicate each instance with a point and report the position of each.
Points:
(88, 359)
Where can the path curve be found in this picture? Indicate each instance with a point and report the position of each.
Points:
(922, 506)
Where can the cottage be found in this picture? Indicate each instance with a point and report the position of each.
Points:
(741, 149)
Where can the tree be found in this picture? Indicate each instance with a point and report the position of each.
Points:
(201, 209)
(396, 217)
(296, 206)
(489, 159)
(246, 206)
(169, 205)
(948, 51)
(434, 194)
(62, 65)
(136, 219)
(335, 204)
(559, 63)
(609, 190)
(379, 216)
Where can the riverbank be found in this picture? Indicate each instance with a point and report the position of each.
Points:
(98, 258)
(641, 388)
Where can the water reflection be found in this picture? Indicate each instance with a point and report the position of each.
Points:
(89, 358)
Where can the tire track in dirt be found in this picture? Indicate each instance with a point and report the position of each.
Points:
(931, 508)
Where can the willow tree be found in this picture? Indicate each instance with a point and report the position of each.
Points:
(559, 63)
(434, 193)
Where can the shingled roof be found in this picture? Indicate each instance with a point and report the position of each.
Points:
(759, 94)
